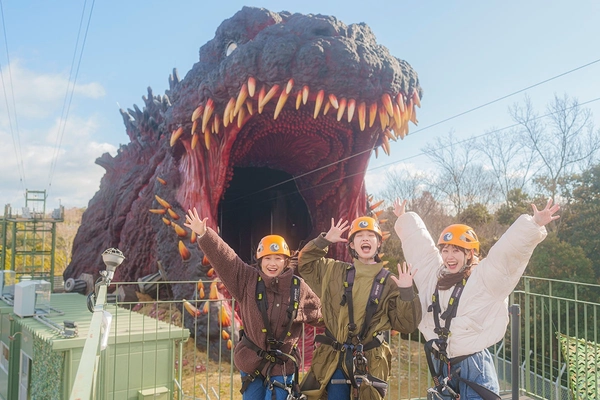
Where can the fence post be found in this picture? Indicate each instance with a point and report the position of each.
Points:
(515, 343)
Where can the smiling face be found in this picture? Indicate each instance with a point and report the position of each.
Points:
(273, 264)
(455, 257)
(366, 244)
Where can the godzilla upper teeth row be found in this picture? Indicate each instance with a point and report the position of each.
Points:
(393, 111)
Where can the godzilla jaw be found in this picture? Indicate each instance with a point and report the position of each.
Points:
(322, 141)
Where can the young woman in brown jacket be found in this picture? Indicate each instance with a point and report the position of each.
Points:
(274, 303)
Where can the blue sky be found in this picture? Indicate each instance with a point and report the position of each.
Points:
(467, 53)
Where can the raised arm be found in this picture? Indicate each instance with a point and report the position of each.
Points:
(234, 272)
(419, 248)
(508, 258)
(312, 264)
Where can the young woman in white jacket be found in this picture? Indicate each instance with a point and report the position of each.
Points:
(465, 302)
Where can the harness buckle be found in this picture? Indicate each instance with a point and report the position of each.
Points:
(352, 327)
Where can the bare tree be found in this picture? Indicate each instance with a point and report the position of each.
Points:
(460, 179)
(565, 144)
(510, 160)
(404, 183)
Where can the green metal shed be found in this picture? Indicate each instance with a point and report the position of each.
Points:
(139, 358)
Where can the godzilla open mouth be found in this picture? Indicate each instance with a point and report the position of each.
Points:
(318, 142)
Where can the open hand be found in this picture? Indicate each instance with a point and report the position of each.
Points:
(405, 275)
(547, 214)
(399, 208)
(193, 221)
(334, 235)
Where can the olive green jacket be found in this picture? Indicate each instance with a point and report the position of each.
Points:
(399, 309)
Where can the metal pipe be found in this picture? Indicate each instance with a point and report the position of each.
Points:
(515, 311)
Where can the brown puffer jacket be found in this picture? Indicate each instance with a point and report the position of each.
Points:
(399, 309)
(240, 280)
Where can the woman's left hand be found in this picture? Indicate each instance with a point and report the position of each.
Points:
(547, 214)
(405, 275)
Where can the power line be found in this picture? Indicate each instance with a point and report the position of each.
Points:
(425, 128)
(472, 138)
(69, 97)
(17, 142)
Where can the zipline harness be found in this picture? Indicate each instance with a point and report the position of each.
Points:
(441, 383)
(273, 354)
(353, 349)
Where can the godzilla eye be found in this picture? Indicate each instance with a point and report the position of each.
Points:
(230, 48)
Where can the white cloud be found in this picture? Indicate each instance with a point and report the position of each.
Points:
(38, 96)
(55, 157)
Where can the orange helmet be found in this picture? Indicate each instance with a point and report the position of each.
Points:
(364, 224)
(272, 244)
(459, 235)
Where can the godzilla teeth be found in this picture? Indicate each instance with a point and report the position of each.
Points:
(305, 91)
(416, 99)
(351, 106)
(387, 103)
(227, 112)
(341, 109)
(207, 139)
(372, 114)
(333, 100)
(318, 103)
(175, 135)
(261, 98)
(208, 110)
(197, 112)
(393, 111)
(267, 97)
(362, 114)
(241, 99)
(251, 86)
(289, 86)
(281, 102)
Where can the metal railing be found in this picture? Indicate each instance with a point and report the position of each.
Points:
(202, 367)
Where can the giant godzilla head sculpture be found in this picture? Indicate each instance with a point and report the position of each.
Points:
(270, 132)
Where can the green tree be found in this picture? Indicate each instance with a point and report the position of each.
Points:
(518, 202)
(555, 259)
(581, 218)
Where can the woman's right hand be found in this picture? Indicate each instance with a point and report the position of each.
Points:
(193, 221)
(399, 208)
(334, 235)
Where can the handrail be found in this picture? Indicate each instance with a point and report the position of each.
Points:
(86, 376)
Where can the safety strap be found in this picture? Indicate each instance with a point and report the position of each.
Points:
(355, 340)
(444, 332)
(372, 303)
(273, 354)
(442, 345)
